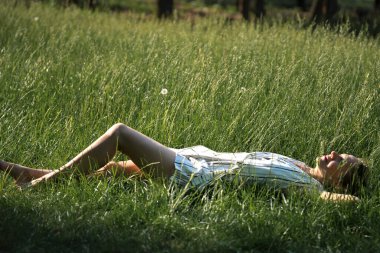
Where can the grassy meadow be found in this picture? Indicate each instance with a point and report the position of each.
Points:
(67, 75)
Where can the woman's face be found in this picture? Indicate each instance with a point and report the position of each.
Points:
(333, 166)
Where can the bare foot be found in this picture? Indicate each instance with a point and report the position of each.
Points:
(22, 175)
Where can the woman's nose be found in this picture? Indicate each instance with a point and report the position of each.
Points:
(333, 155)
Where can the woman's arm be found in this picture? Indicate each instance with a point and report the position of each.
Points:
(336, 197)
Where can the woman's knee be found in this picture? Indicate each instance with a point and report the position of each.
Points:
(116, 129)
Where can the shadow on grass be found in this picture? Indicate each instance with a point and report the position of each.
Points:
(23, 230)
(31, 223)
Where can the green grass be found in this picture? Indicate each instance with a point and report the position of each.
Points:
(67, 75)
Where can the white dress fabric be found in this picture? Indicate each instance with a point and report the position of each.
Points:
(198, 166)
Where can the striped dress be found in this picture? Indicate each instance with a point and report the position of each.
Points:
(198, 166)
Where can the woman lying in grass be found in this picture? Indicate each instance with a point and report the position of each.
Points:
(198, 166)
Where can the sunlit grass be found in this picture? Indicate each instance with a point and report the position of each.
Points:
(67, 75)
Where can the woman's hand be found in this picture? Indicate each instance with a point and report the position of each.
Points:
(336, 197)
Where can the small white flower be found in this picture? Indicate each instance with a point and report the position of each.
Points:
(164, 91)
(36, 19)
(366, 78)
(219, 104)
(243, 89)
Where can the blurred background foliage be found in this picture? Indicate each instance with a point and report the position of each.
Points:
(360, 14)
(149, 6)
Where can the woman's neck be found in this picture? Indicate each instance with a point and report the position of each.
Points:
(313, 172)
(316, 174)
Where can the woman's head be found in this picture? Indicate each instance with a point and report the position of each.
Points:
(343, 171)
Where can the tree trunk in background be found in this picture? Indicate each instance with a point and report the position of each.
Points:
(244, 7)
(377, 5)
(324, 9)
(317, 10)
(259, 8)
(92, 4)
(302, 5)
(165, 8)
(332, 8)
(26, 2)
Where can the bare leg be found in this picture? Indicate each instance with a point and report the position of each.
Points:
(122, 168)
(22, 174)
(149, 155)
